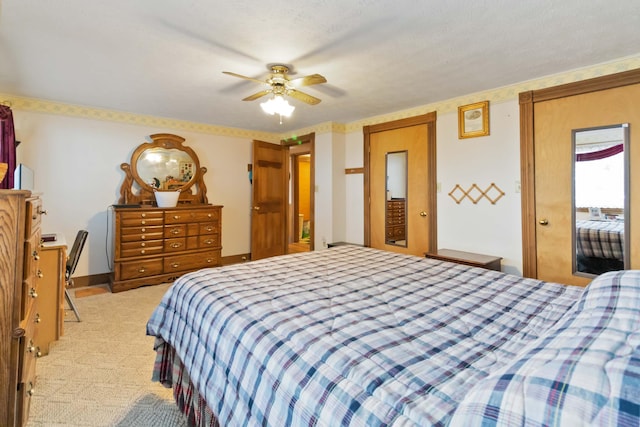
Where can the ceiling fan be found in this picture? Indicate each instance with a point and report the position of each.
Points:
(280, 84)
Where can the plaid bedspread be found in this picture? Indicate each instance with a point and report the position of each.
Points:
(583, 371)
(600, 239)
(353, 336)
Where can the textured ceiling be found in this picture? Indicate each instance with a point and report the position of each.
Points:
(165, 57)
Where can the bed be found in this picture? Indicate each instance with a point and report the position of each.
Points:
(360, 337)
(599, 245)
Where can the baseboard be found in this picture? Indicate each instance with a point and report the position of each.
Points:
(103, 278)
(92, 280)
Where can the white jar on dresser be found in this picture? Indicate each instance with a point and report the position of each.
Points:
(20, 218)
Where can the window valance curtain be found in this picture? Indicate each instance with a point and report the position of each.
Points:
(7, 145)
(600, 154)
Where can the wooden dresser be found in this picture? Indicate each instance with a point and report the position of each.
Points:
(20, 218)
(156, 245)
(53, 263)
(396, 220)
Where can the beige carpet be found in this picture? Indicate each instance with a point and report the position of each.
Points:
(99, 372)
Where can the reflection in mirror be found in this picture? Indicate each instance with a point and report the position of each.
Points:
(396, 209)
(165, 169)
(601, 202)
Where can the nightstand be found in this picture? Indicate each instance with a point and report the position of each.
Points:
(467, 258)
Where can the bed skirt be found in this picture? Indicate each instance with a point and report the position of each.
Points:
(169, 371)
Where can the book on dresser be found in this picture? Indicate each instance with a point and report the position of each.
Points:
(156, 245)
(20, 219)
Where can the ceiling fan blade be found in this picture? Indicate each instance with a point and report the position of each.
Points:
(257, 95)
(304, 97)
(243, 77)
(312, 79)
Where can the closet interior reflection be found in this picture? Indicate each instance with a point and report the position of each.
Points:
(601, 199)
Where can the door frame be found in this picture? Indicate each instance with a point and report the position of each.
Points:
(308, 143)
(527, 150)
(429, 120)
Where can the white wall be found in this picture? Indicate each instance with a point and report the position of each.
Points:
(483, 227)
(77, 170)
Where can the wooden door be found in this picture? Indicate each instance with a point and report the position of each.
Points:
(417, 138)
(269, 197)
(554, 121)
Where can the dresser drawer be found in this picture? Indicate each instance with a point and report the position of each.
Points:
(141, 268)
(209, 228)
(195, 215)
(140, 248)
(138, 218)
(130, 234)
(209, 240)
(191, 261)
(34, 217)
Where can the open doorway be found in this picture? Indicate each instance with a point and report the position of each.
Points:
(301, 194)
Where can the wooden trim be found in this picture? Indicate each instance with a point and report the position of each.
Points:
(353, 170)
(527, 149)
(527, 186)
(430, 120)
(91, 280)
(309, 139)
(595, 84)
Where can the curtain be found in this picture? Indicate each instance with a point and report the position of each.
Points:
(7, 145)
(601, 154)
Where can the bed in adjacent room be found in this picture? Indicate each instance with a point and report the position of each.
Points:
(361, 337)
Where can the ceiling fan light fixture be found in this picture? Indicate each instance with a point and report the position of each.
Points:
(277, 105)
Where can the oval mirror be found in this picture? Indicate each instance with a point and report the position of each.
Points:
(165, 169)
(164, 164)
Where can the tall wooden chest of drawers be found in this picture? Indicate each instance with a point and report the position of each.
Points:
(20, 218)
(157, 245)
(396, 220)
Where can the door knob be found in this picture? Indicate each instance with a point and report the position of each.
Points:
(423, 213)
(256, 208)
(543, 221)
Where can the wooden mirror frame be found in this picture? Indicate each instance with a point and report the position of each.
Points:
(145, 194)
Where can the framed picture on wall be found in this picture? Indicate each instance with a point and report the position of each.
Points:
(473, 120)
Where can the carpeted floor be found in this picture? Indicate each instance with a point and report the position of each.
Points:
(99, 372)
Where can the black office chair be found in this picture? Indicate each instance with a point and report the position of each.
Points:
(72, 262)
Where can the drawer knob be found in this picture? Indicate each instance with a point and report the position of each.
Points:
(143, 215)
(37, 319)
(141, 270)
(209, 260)
(42, 211)
(143, 237)
(31, 390)
(39, 274)
(209, 215)
(143, 229)
(143, 244)
(175, 231)
(208, 241)
(31, 348)
(209, 228)
(143, 222)
(176, 245)
(176, 217)
(175, 265)
(142, 251)
(35, 255)
(33, 293)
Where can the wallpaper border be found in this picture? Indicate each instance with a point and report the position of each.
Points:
(496, 95)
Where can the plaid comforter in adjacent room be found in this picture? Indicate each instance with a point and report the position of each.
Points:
(352, 336)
